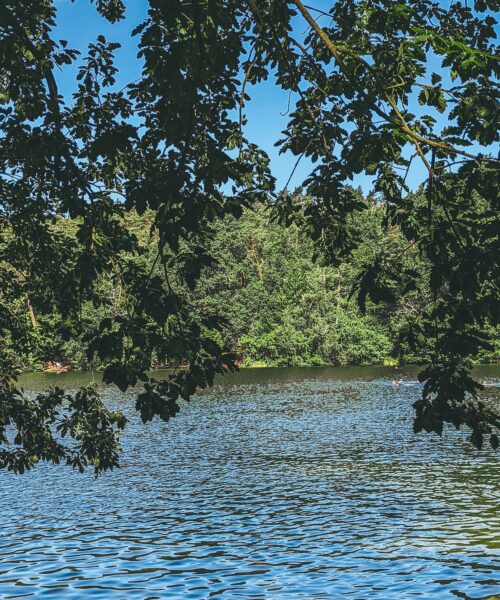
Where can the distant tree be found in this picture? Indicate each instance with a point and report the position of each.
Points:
(366, 88)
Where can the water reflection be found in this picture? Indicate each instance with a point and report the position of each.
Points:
(274, 484)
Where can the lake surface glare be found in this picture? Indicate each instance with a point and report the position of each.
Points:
(276, 483)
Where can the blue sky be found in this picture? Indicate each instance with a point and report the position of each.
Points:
(79, 23)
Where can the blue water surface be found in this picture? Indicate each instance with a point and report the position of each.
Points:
(276, 483)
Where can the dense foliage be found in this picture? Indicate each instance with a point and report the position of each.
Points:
(280, 306)
(367, 92)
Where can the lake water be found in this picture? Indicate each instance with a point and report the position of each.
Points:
(276, 483)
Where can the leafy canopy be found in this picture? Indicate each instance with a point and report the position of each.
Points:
(367, 83)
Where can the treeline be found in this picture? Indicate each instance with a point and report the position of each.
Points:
(281, 301)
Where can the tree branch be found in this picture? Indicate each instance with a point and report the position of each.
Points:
(400, 122)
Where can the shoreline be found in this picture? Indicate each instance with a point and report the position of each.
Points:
(74, 379)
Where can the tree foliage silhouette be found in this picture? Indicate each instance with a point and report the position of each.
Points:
(366, 84)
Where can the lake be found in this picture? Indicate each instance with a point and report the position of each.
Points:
(276, 483)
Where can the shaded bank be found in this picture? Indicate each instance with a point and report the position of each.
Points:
(75, 379)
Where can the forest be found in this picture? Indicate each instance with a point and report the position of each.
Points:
(282, 303)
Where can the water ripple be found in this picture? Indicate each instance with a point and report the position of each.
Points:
(283, 487)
